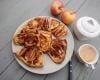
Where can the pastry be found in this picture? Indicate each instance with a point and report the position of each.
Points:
(58, 50)
(32, 57)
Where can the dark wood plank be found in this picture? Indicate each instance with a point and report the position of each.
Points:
(6, 57)
(59, 75)
(75, 5)
(13, 73)
(32, 76)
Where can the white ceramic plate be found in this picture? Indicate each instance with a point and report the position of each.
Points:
(49, 65)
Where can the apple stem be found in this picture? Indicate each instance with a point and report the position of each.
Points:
(73, 12)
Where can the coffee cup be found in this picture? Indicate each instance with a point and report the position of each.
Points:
(88, 55)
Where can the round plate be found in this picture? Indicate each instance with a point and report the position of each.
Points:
(49, 65)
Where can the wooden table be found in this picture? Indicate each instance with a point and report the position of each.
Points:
(14, 12)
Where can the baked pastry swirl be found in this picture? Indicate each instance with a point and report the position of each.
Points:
(38, 36)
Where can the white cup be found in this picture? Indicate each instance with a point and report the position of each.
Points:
(92, 63)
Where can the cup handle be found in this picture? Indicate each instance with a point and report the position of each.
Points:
(87, 65)
(92, 66)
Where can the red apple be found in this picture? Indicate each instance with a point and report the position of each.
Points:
(57, 7)
(67, 16)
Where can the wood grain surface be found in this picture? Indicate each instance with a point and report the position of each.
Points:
(14, 12)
